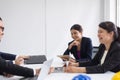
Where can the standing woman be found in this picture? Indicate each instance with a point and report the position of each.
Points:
(108, 56)
(80, 47)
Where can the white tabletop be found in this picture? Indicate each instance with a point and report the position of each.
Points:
(69, 76)
(64, 76)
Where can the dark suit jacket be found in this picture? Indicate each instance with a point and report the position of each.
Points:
(85, 50)
(111, 63)
(7, 56)
(11, 68)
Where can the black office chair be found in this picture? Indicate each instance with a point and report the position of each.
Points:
(95, 50)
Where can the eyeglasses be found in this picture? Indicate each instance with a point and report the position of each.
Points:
(2, 28)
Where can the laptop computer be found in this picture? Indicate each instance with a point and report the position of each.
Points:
(43, 73)
(35, 59)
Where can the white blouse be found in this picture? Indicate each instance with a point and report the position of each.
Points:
(104, 56)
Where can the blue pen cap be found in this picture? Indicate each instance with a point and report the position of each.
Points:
(81, 77)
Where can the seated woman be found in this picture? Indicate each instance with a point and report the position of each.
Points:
(80, 47)
(108, 55)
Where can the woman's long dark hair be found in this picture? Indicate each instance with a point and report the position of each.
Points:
(109, 27)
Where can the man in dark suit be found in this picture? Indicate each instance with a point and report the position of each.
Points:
(7, 67)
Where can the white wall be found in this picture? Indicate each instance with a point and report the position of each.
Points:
(62, 14)
(43, 26)
(110, 10)
(24, 26)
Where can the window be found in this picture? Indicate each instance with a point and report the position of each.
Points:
(118, 12)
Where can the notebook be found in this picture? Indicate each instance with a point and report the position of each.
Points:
(35, 59)
(44, 71)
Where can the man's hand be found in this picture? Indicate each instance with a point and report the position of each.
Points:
(51, 70)
(37, 72)
(23, 56)
(20, 59)
(7, 75)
